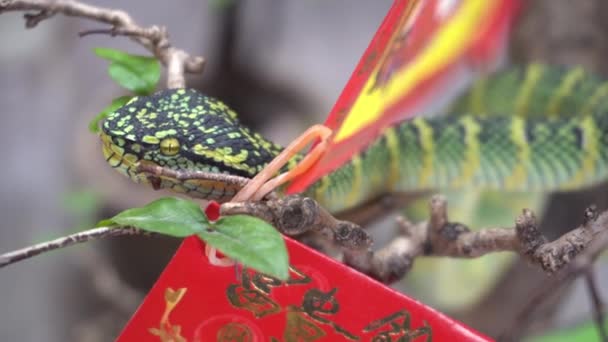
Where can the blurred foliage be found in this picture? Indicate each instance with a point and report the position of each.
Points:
(83, 206)
(81, 202)
(586, 332)
(139, 74)
(221, 4)
(116, 103)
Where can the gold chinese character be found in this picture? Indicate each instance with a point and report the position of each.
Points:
(166, 331)
(234, 332)
(300, 329)
(400, 328)
(253, 300)
(317, 303)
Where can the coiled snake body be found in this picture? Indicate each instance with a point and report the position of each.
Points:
(534, 128)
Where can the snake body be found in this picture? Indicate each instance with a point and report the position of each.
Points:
(528, 128)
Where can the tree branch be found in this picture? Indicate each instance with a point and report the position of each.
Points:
(66, 241)
(294, 215)
(578, 266)
(154, 38)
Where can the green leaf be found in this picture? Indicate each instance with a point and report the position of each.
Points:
(139, 74)
(221, 4)
(82, 206)
(106, 223)
(116, 103)
(81, 202)
(584, 332)
(251, 241)
(170, 216)
(247, 239)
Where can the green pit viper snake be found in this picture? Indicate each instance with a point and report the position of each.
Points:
(536, 128)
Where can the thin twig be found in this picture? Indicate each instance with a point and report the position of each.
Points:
(66, 241)
(576, 267)
(110, 32)
(598, 305)
(157, 174)
(154, 38)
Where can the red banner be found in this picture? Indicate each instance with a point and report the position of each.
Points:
(422, 56)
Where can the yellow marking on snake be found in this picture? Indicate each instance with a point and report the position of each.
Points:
(206, 130)
(163, 134)
(355, 191)
(533, 75)
(117, 149)
(225, 155)
(476, 104)
(150, 139)
(392, 143)
(600, 93)
(590, 154)
(565, 89)
(425, 134)
(114, 161)
(131, 159)
(141, 114)
(321, 192)
(472, 162)
(518, 178)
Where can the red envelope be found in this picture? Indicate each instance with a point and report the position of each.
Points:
(323, 300)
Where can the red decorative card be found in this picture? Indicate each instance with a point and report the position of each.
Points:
(323, 300)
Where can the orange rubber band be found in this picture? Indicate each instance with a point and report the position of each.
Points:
(262, 184)
(211, 254)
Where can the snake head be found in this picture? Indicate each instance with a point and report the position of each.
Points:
(182, 130)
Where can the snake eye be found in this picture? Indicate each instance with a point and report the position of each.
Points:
(169, 146)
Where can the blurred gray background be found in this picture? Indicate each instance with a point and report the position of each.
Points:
(281, 65)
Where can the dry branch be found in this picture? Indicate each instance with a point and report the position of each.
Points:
(438, 236)
(154, 38)
(296, 215)
(578, 265)
(596, 301)
(66, 241)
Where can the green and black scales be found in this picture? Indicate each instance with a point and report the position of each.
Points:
(533, 128)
